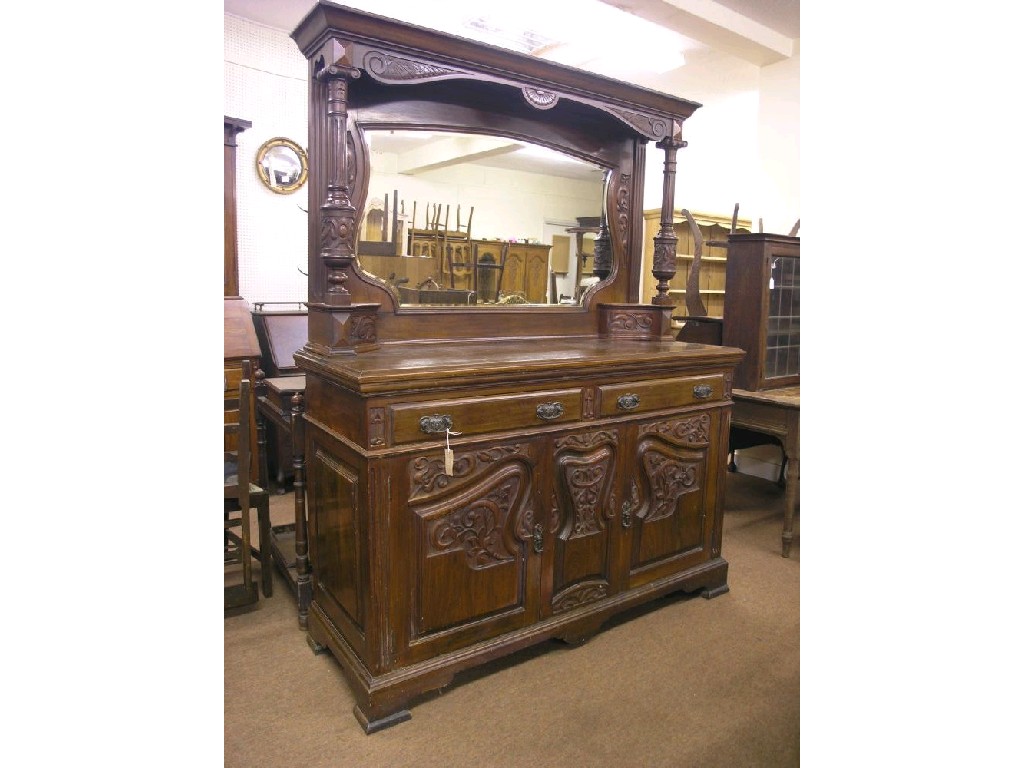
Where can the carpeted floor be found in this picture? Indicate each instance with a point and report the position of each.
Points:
(682, 682)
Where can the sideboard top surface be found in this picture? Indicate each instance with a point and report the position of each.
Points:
(439, 365)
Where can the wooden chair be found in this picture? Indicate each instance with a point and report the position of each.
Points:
(240, 496)
(488, 270)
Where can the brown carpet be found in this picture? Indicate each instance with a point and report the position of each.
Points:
(682, 682)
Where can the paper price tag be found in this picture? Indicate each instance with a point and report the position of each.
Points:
(449, 454)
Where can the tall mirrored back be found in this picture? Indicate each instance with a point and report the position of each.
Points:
(455, 219)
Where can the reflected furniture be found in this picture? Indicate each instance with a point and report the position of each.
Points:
(489, 269)
(483, 478)
(762, 316)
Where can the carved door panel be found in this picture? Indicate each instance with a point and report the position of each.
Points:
(671, 492)
(582, 519)
(470, 565)
(537, 274)
(514, 278)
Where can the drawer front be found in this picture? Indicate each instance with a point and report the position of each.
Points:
(658, 394)
(473, 416)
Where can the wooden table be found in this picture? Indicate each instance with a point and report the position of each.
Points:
(280, 400)
(775, 412)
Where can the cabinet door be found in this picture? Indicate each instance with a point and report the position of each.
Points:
(467, 545)
(514, 278)
(672, 494)
(582, 519)
(537, 275)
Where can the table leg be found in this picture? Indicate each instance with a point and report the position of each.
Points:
(792, 499)
(304, 585)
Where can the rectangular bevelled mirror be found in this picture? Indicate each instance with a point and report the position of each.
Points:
(457, 219)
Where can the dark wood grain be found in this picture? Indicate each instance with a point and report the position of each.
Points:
(557, 509)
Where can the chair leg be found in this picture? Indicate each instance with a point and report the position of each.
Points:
(266, 561)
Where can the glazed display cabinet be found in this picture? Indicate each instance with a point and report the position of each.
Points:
(762, 309)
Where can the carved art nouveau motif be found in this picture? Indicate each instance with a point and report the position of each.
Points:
(584, 484)
(693, 430)
(630, 321)
(586, 440)
(362, 328)
(477, 525)
(579, 594)
(476, 529)
(394, 69)
(427, 473)
(622, 197)
(585, 475)
(669, 477)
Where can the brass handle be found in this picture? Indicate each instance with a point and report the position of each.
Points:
(628, 402)
(702, 391)
(549, 411)
(538, 538)
(436, 423)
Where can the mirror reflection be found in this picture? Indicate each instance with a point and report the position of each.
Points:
(457, 219)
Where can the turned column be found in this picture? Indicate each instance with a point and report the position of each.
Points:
(304, 587)
(664, 266)
(337, 325)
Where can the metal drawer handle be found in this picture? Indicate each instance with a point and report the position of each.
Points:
(702, 391)
(628, 402)
(549, 411)
(436, 423)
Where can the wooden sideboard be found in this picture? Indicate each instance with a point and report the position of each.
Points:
(587, 477)
(483, 478)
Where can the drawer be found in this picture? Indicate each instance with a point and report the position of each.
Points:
(657, 394)
(476, 415)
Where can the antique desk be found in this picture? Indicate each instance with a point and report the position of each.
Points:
(775, 412)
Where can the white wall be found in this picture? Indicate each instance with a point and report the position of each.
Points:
(743, 142)
(265, 83)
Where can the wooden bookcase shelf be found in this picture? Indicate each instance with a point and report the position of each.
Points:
(713, 228)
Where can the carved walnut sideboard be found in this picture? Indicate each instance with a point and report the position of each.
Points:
(481, 479)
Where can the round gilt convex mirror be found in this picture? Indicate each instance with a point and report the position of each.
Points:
(282, 165)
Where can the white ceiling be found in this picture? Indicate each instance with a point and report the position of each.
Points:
(759, 31)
